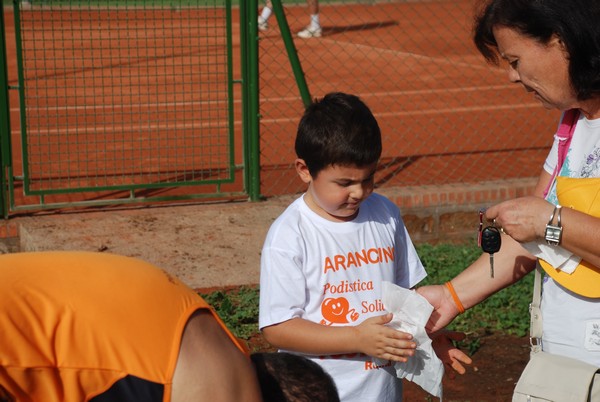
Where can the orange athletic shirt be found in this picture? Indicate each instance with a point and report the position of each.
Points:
(74, 323)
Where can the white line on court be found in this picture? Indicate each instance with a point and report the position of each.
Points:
(417, 56)
(273, 99)
(121, 128)
(430, 111)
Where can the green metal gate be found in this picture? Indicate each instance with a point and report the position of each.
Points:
(114, 102)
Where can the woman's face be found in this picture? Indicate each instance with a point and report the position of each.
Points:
(542, 69)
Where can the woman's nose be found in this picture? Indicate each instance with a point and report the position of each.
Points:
(513, 75)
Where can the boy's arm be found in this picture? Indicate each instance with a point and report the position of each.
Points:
(371, 337)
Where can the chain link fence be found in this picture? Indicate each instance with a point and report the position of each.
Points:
(123, 101)
(446, 116)
(131, 98)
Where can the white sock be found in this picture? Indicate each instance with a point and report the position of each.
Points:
(314, 21)
(266, 13)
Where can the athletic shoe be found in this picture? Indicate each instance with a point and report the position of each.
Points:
(310, 32)
(262, 24)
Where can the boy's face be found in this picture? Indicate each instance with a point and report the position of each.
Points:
(337, 191)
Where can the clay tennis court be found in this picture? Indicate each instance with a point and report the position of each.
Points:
(137, 99)
(446, 116)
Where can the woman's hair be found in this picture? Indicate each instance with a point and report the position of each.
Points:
(338, 130)
(575, 22)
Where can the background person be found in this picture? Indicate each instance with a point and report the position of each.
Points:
(552, 48)
(79, 326)
(312, 30)
(326, 256)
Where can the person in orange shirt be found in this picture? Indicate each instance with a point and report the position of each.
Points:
(82, 326)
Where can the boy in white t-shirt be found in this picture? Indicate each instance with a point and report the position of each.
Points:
(326, 256)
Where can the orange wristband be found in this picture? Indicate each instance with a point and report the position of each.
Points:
(459, 305)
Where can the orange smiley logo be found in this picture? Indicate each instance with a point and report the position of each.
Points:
(336, 310)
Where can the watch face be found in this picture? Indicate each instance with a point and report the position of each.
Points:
(553, 235)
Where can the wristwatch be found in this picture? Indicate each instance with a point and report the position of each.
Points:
(554, 232)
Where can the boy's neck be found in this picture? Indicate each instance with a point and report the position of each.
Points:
(313, 206)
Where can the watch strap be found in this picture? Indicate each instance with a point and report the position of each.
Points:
(553, 233)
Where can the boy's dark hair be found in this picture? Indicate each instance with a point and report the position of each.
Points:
(575, 22)
(286, 377)
(339, 129)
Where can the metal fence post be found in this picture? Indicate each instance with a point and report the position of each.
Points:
(292, 52)
(249, 36)
(5, 159)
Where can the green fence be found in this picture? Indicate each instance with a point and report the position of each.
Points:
(116, 102)
(130, 101)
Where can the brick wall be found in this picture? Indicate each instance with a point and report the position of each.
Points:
(449, 213)
(433, 214)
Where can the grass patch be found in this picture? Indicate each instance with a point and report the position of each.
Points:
(238, 308)
(506, 311)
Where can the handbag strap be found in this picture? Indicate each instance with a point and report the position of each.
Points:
(564, 135)
(535, 311)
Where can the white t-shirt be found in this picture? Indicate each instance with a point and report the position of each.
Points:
(331, 273)
(571, 323)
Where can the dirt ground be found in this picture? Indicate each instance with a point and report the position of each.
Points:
(492, 376)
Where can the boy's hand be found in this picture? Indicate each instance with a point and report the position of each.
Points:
(450, 355)
(376, 339)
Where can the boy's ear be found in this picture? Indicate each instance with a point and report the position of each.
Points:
(302, 170)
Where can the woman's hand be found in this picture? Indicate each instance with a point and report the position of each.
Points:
(524, 219)
(450, 355)
(444, 308)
